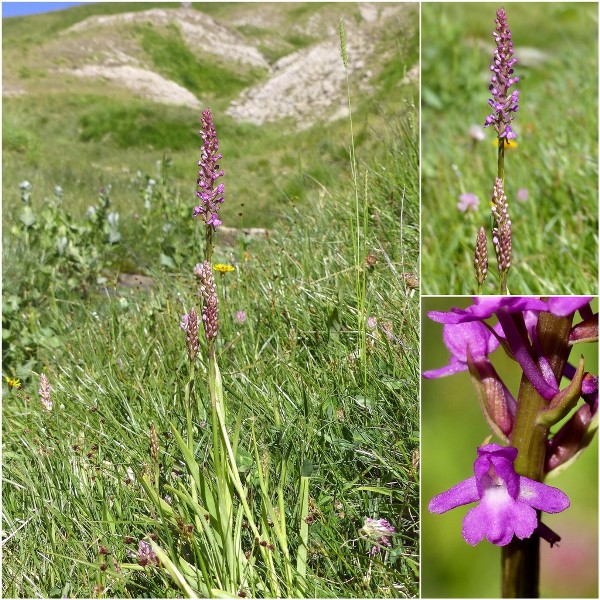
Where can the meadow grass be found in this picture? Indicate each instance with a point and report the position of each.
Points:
(554, 232)
(292, 373)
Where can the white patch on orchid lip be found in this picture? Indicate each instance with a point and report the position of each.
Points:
(497, 495)
(526, 494)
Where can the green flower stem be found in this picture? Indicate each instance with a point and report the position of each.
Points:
(209, 242)
(188, 401)
(503, 275)
(501, 159)
(520, 558)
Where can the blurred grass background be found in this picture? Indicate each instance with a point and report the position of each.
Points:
(555, 242)
(452, 428)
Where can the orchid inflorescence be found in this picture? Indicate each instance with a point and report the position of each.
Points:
(211, 197)
(538, 334)
(505, 105)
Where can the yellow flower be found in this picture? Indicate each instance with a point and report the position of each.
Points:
(513, 144)
(13, 382)
(223, 268)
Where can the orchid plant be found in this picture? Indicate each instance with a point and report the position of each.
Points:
(231, 542)
(540, 430)
(504, 104)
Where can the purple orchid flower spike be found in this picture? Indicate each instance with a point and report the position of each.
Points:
(507, 501)
(458, 337)
(210, 195)
(503, 102)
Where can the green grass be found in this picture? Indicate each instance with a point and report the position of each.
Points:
(120, 366)
(555, 244)
(204, 76)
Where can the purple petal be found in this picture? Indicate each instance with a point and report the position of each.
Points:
(454, 366)
(473, 334)
(498, 517)
(543, 497)
(464, 492)
(484, 307)
(564, 306)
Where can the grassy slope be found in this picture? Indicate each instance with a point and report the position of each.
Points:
(287, 367)
(555, 231)
(120, 365)
(82, 135)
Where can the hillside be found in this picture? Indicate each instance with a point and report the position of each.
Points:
(96, 93)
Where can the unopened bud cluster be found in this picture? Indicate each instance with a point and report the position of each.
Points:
(502, 233)
(210, 304)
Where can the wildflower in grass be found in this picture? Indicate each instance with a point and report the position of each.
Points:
(13, 382)
(210, 196)
(476, 133)
(502, 232)
(480, 260)
(370, 260)
(240, 316)
(503, 102)
(378, 532)
(221, 268)
(467, 202)
(388, 329)
(145, 554)
(522, 194)
(507, 501)
(372, 322)
(44, 393)
(210, 306)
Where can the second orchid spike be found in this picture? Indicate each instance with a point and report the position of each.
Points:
(480, 260)
(502, 232)
(210, 306)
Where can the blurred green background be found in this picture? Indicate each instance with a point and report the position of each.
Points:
(452, 428)
(555, 242)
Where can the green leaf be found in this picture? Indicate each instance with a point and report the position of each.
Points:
(166, 261)
(27, 217)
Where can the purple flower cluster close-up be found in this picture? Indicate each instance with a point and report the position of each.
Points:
(537, 334)
(210, 196)
(503, 102)
(507, 501)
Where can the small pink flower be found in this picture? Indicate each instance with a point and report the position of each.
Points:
(522, 194)
(378, 531)
(372, 323)
(240, 316)
(476, 133)
(44, 393)
(146, 555)
(468, 202)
